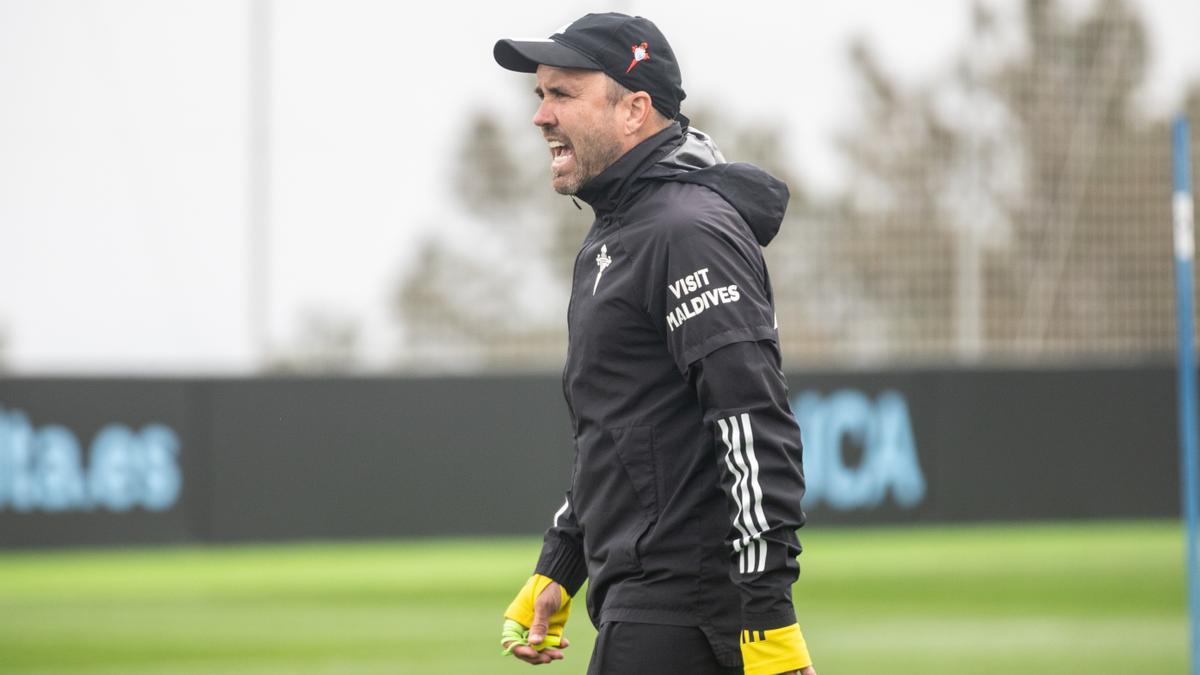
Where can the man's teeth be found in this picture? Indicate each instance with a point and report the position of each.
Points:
(558, 149)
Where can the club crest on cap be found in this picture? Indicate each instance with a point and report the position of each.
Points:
(640, 53)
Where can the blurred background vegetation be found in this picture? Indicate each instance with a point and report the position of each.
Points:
(1014, 208)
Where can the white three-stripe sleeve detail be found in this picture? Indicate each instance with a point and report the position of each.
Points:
(756, 487)
(743, 493)
(561, 510)
(739, 544)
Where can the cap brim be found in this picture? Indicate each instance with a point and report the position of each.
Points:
(524, 56)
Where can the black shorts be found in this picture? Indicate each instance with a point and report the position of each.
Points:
(624, 648)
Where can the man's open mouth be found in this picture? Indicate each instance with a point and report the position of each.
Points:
(560, 152)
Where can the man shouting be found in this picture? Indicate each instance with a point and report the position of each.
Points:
(685, 496)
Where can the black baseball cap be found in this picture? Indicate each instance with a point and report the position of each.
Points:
(629, 49)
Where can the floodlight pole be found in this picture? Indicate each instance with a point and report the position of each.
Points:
(1185, 248)
(258, 186)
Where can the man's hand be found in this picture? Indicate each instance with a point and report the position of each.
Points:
(807, 671)
(548, 607)
(544, 607)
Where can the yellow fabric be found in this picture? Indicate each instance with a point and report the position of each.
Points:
(514, 635)
(770, 652)
(521, 610)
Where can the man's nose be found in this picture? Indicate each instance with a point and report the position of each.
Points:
(543, 116)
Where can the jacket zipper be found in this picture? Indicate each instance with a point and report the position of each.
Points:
(587, 242)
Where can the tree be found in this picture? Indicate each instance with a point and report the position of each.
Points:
(1020, 185)
(326, 344)
(490, 294)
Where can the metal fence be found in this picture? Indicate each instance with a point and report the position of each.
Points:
(1013, 209)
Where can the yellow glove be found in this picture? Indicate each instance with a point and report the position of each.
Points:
(780, 650)
(520, 614)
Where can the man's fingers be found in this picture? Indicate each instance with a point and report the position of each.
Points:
(564, 643)
(808, 671)
(531, 655)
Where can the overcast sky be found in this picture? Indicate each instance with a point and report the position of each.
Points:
(124, 145)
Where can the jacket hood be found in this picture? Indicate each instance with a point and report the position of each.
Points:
(760, 198)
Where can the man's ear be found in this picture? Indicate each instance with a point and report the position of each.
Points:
(640, 112)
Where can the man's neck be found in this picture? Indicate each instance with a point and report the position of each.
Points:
(603, 191)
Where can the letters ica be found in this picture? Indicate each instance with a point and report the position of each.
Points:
(882, 429)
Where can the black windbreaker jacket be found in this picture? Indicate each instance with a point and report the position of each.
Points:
(685, 493)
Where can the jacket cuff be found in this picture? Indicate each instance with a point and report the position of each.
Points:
(564, 564)
(767, 652)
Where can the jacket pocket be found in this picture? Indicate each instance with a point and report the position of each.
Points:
(616, 497)
(635, 448)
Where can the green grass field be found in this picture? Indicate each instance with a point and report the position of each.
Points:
(1057, 598)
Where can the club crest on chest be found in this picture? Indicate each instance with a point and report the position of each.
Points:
(602, 263)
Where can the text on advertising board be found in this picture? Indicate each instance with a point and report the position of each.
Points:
(881, 429)
(46, 469)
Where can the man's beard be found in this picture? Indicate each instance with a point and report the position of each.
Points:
(593, 154)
